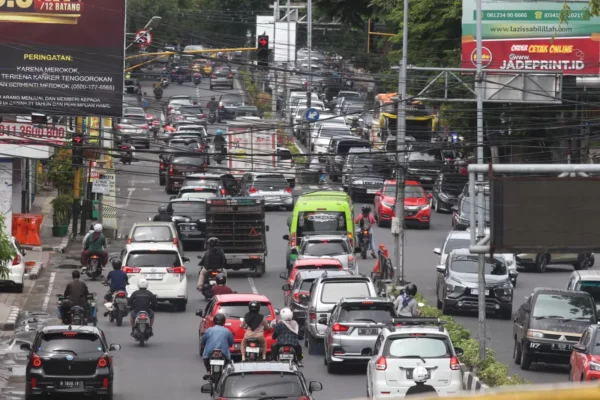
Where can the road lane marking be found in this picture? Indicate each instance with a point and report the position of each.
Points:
(130, 190)
(252, 285)
(49, 292)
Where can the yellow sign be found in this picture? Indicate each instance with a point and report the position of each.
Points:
(93, 124)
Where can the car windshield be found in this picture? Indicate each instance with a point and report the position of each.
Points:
(195, 161)
(454, 184)
(423, 154)
(465, 208)
(423, 347)
(191, 110)
(321, 221)
(152, 234)
(548, 305)
(262, 385)
(325, 248)
(74, 343)
(410, 191)
(200, 182)
(133, 121)
(152, 259)
(455, 244)
(192, 209)
(196, 195)
(331, 132)
(239, 309)
(334, 291)
(270, 182)
(367, 312)
(467, 264)
(592, 287)
(181, 101)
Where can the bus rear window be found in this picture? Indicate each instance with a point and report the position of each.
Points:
(321, 221)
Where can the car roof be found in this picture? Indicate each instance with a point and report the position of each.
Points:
(459, 235)
(195, 188)
(187, 201)
(241, 297)
(302, 262)
(462, 252)
(265, 173)
(204, 176)
(588, 274)
(365, 298)
(407, 183)
(71, 328)
(153, 223)
(309, 274)
(549, 290)
(309, 238)
(151, 246)
(271, 366)
(403, 330)
(341, 275)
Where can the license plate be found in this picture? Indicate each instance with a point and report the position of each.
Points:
(475, 291)
(409, 374)
(252, 350)
(217, 362)
(212, 282)
(371, 191)
(154, 277)
(560, 346)
(367, 331)
(69, 384)
(286, 356)
(188, 173)
(120, 300)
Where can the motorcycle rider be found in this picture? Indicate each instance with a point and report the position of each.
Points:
(157, 84)
(213, 104)
(221, 287)
(255, 326)
(420, 377)
(164, 214)
(76, 292)
(213, 260)
(366, 215)
(87, 235)
(95, 244)
(127, 148)
(219, 140)
(286, 333)
(406, 305)
(142, 300)
(118, 281)
(216, 338)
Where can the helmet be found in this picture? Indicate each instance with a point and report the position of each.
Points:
(213, 98)
(97, 228)
(254, 306)
(143, 284)
(221, 279)
(286, 314)
(420, 375)
(219, 319)
(213, 241)
(117, 263)
(366, 209)
(162, 209)
(219, 132)
(411, 289)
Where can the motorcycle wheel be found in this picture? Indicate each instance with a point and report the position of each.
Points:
(363, 253)
(142, 341)
(119, 319)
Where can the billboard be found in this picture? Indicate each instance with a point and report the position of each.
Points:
(528, 35)
(62, 57)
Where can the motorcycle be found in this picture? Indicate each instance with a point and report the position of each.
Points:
(212, 116)
(141, 330)
(94, 267)
(217, 363)
(155, 128)
(365, 239)
(253, 350)
(126, 157)
(197, 79)
(209, 283)
(158, 93)
(180, 80)
(164, 82)
(117, 309)
(220, 154)
(286, 354)
(77, 315)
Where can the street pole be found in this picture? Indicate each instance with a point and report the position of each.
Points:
(309, 43)
(276, 84)
(480, 193)
(288, 61)
(398, 221)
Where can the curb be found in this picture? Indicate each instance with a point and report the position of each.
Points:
(11, 321)
(471, 383)
(56, 249)
(35, 271)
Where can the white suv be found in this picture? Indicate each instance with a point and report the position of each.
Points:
(162, 266)
(16, 268)
(418, 342)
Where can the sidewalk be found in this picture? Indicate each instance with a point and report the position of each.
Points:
(42, 205)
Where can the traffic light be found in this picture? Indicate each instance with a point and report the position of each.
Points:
(262, 54)
(76, 157)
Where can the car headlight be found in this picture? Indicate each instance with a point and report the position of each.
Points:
(424, 207)
(534, 334)
(594, 366)
(359, 182)
(388, 205)
(454, 290)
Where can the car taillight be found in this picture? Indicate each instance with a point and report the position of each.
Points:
(293, 240)
(221, 398)
(103, 362)
(176, 270)
(144, 126)
(36, 361)
(293, 162)
(289, 190)
(171, 172)
(131, 270)
(119, 127)
(298, 294)
(381, 364)
(162, 165)
(121, 294)
(223, 192)
(303, 398)
(339, 328)
(312, 316)
(212, 76)
(176, 242)
(17, 260)
(149, 117)
(253, 190)
(230, 75)
(454, 364)
(202, 115)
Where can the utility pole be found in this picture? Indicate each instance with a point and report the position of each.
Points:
(480, 212)
(398, 221)
(276, 84)
(288, 60)
(309, 43)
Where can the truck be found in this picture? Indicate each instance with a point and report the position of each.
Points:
(251, 145)
(239, 224)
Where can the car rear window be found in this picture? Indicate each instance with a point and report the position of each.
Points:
(191, 209)
(344, 147)
(133, 121)
(240, 308)
(333, 291)
(367, 312)
(152, 234)
(191, 110)
(73, 342)
(325, 248)
(195, 161)
(417, 345)
(592, 287)
(266, 182)
(200, 182)
(223, 73)
(263, 385)
(152, 259)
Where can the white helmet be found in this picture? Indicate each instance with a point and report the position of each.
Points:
(420, 375)
(286, 314)
(143, 284)
(98, 228)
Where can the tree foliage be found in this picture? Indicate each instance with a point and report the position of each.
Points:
(7, 251)
(351, 12)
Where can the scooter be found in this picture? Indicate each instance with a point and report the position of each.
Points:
(217, 363)
(365, 239)
(286, 354)
(220, 155)
(209, 283)
(158, 93)
(126, 156)
(94, 268)
(164, 82)
(197, 79)
(212, 116)
(141, 330)
(253, 350)
(117, 309)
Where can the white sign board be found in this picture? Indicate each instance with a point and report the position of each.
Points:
(32, 135)
(280, 39)
(109, 201)
(101, 186)
(251, 149)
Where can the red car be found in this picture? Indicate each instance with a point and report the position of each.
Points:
(417, 209)
(585, 359)
(310, 264)
(234, 307)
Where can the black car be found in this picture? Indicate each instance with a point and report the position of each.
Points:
(132, 86)
(457, 287)
(446, 189)
(69, 360)
(189, 217)
(368, 173)
(461, 214)
(262, 380)
(228, 185)
(425, 162)
(165, 157)
(181, 165)
(549, 324)
(340, 147)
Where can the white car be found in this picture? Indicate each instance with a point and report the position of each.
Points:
(462, 240)
(16, 268)
(398, 351)
(324, 135)
(163, 267)
(329, 246)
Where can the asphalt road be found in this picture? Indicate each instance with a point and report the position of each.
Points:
(170, 367)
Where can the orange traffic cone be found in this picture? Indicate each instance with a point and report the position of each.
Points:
(385, 253)
(32, 237)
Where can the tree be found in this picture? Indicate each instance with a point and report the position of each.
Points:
(352, 12)
(7, 251)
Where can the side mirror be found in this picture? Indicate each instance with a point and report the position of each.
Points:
(437, 251)
(429, 196)
(172, 197)
(25, 347)
(199, 313)
(579, 348)
(289, 222)
(441, 269)
(323, 321)
(185, 260)
(267, 228)
(286, 287)
(315, 386)
(378, 193)
(286, 237)
(526, 307)
(283, 275)
(276, 311)
(114, 347)
(207, 388)
(459, 352)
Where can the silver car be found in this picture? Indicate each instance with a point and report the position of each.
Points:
(333, 246)
(134, 129)
(353, 328)
(273, 187)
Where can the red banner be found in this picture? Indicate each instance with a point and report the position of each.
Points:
(572, 56)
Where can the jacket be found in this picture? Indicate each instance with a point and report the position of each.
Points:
(214, 259)
(219, 141)
(217, 338)
(142, 300)
(97, 244)
(359, 220)
(221, 289)
(212, 105)
(77, 292)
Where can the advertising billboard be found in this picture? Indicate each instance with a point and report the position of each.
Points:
(62, 57)
(528, 35)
